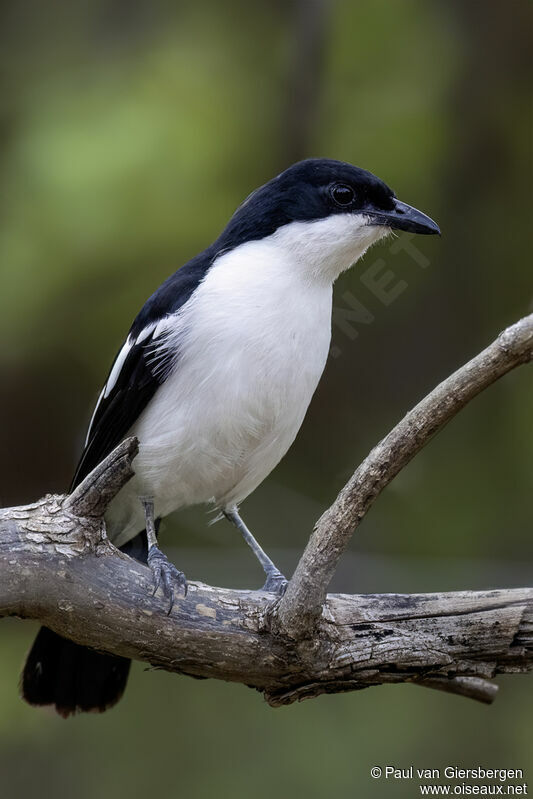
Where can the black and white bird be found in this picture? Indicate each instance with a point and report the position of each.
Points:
(215, 378)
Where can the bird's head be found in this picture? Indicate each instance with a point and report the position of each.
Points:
(326, 213)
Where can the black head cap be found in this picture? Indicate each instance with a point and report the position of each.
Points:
(314, 189)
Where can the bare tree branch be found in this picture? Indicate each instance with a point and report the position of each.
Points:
(301, 606)
(62, 570)
(94, 494)
(57, 566)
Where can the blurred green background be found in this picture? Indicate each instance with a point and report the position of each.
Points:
(129, 132)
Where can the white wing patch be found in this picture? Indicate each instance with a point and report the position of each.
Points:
(155, 329)
(123, 354)
(111, 380)
(144, 333)
(117, 366)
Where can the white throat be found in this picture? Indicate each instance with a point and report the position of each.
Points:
(324, 248)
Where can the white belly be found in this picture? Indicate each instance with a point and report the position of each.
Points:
(253, 345)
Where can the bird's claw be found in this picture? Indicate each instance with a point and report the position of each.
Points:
(166, 575)
(276, 583)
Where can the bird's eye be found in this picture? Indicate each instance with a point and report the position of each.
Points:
(342, 194)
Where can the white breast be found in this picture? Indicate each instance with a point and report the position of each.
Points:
(253, 341)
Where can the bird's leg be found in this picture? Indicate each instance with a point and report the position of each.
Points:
(275, 580)
(164, 572)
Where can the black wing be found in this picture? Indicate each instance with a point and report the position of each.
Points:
(131, 384)
(138, 370)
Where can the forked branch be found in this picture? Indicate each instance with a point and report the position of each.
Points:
(301, 606)
(57, 566)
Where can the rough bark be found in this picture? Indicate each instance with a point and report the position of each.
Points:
(301, 605)
(57, 566)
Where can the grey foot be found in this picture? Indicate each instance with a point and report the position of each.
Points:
(276, 583)
(166, 575)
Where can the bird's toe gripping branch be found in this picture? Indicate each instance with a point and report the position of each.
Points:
(167, 576)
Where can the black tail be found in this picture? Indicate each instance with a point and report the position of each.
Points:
(74, 678)
(71, 677)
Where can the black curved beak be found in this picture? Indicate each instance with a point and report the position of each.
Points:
(404, 217)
